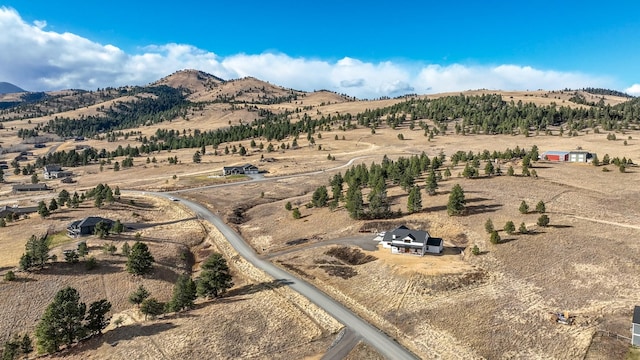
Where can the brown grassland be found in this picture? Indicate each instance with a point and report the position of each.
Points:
(457, 305)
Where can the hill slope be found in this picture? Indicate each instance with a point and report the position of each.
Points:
(6, 88)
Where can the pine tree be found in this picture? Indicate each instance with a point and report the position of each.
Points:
(495, 237)
(296, 213)
(414, 202)
(543, 220)
(138, 296)
(151, 307)
(184, 293)
(509, 227)
(540, 207)
(523, 229)
(126, 249)
(320, 197)
(139, 261)
(488, 226)
(43, 210)
(96, 319)
(524, 208)
(456, 204)
(215, 278)
(61, 322)
(431, 183)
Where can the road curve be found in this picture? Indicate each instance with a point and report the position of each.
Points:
(384, 344)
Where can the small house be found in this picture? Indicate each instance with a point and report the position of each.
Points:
(30, 187)
(635, 329)
(53, 171)
(86, 226)
(15, 210)
(246, 169)
(403, 240)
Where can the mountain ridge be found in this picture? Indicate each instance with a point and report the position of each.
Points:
(8, 88)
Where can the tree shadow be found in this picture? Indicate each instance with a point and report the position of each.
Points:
(508, 240)
(118, 334)
(559, 226)
(138, 226)
(255, 288)
(481, 209)
(67, 269)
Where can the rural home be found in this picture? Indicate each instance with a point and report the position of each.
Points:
(30, 187)
(242, 169)
(52, 171)
(403, 240)
(14, 210)
(86, 226)
(570, 156)
(635, 329)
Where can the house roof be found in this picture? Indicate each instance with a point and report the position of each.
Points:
(636, 315)
(19, 210)
(555, 152)
(52, 167)
(89, 221)
(434, 241)
(402, 232)
(30, 187)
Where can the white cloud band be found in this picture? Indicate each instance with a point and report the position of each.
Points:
(36, 59)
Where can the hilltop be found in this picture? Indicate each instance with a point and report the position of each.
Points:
(7, 88)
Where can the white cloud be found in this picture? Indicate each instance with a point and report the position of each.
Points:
(633, 90)
(36, 59)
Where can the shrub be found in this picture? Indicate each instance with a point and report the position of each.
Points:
(509, 227)
(524, 208)
(488, 226)
(296, 213)
(543, 220)
(10, 276)
(523, 229)
(91, 263)
(475, 250)
(495, 237)
(288, 206)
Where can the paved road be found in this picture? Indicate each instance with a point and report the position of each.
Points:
(384, 344)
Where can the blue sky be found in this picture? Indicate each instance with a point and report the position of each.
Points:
(366, 50)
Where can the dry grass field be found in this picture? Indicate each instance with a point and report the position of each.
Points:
(495, 305)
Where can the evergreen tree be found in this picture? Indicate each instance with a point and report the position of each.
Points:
(595, 160)
(456, 204)
(61, 322)
(26, 345)
(524, 208)
(197, 158)
(431, 183)
(288, 206)
(523, 229)
(96, 319)
(320, 197)
(140, 261)
(71, 257)
(126, 249)
(495, 237)
(540, 207)
(151, 307)
(138, 296)
(296, 213)
(414, 203)
(488, 226)
(102, 229)
(215, 278)
(43, 210)
(489, 169)
(510, 171)
(543, 220)
(354, 202)
(53, 205)
(509, 227)
(83, 250)
(118, 227)
(184, 293)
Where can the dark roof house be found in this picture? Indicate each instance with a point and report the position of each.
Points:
(14, 210)
(242, 169)
(86, 226)
(403, 240)
(30, 187)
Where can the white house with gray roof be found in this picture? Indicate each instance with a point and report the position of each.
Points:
(403, 240)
